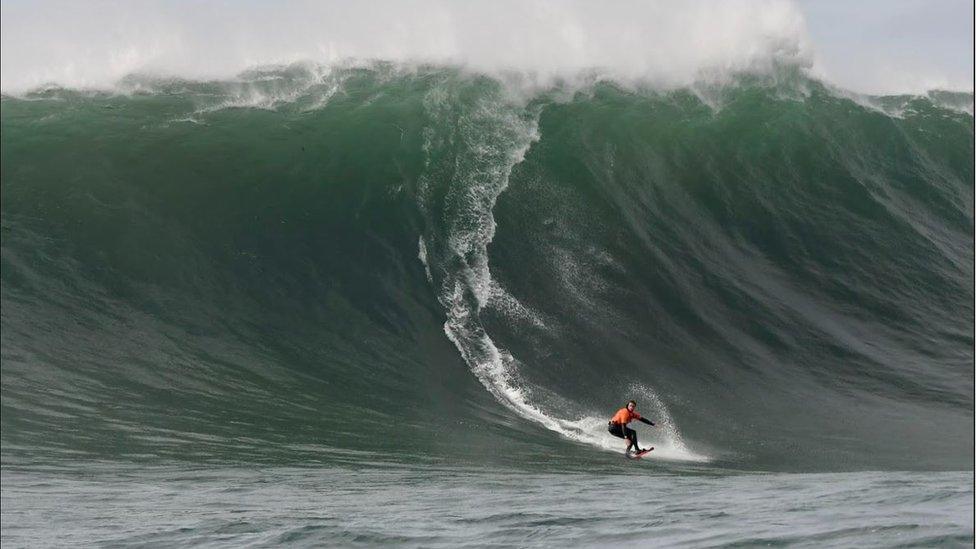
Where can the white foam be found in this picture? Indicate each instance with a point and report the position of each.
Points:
(268, 89)
(422, 256)
(513, 309)
(901, 106)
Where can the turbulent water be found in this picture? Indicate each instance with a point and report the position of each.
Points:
(325, 506)
(424, 268)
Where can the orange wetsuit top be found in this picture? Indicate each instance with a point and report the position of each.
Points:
(624, 416)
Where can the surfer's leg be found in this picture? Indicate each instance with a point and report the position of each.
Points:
(632, 437)
(620, 431)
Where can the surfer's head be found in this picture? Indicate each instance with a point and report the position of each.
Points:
(632, 405)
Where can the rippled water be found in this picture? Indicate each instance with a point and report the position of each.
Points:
(111, 505)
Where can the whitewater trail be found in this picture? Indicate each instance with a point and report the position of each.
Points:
(488, 137)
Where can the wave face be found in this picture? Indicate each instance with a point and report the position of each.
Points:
(310, 263)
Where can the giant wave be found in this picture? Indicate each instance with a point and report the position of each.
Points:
(325, 262)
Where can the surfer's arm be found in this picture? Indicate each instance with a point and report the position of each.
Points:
(645, 420)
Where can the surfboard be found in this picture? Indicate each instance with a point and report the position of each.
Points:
(641, 454)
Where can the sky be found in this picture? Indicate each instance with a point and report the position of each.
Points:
(891, 45)
(867, 46)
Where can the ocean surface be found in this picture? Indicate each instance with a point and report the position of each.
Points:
(383, 303)
(112, 505)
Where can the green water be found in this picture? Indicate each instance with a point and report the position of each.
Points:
(246, 290)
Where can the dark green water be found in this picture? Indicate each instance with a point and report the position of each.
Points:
(298, 267)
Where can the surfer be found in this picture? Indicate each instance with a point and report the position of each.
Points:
(618, 426)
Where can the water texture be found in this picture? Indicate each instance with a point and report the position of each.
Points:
(457, 278)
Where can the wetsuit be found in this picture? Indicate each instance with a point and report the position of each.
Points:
(618, 426)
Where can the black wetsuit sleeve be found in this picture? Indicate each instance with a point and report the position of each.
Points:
(647, 421)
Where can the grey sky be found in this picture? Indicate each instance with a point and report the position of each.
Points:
(890, 45)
